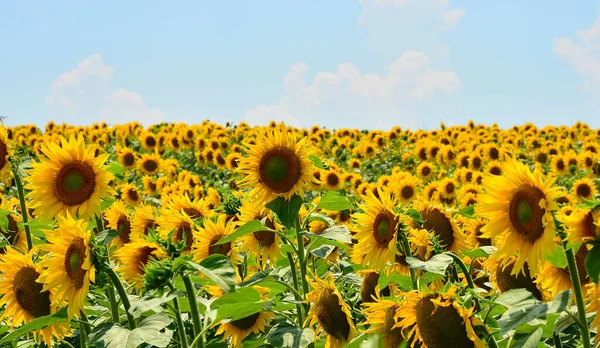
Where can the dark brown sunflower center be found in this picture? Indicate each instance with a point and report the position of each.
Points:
(331, 316)
(124, 228)
(133, 195)
(75, 183)
(128, 159)
(384, 228)
(436, 221)
(247, 322)
(333, 179)
(367, 288)
(526, 215)
(150, 165)
(74, 258)
(345, 215)
(193, 212)
(3, 154)
(150, 141)
(426, 171)
(482, 241)
(495, 170)
(280, 169)
(476, 162)
(184, 232)
(29, 293)
(584, 190)
(143, 257)
(506, 281)
(13, 230)
(392, 337)
(560, 165)
(407, 192)
(443, 328)
(265, 238)
(222, 249)
(494, 153)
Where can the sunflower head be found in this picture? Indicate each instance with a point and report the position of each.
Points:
(6, 151)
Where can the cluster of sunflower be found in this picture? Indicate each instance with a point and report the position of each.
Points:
(204, 235)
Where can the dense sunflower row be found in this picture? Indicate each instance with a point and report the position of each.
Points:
(209, 235)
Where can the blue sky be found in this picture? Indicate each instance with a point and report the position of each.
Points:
(363, 64)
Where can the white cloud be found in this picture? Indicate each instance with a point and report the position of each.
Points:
(349, 98)
(583, 54)
(85, 95)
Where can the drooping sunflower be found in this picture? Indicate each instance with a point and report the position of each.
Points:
(377, 228)
(382, 318)
(23, 296)
(263, 245)
(237, 330)
(503, 278)
(134, 256)
(6, 151)
(369, 288)
(438, 320)
(68, 267)
(207, 237)
(118, 219)
(277, 166)
(519, 207)
(330, 312)
(70, 179)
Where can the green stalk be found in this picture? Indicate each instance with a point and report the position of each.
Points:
(123, 295)
(302, 260)
(114, 306)
(194, 310)
(83, 330)
(24, 213)
(296, 287)
(408, 253)
(585, 334)
(180, 326)
(557, 341)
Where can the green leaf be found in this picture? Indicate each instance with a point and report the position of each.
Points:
(321, 217)
(286, 335)
(4, 219)
(468, 212)
(317, 162)
(592, 263)
(241, 295)
(152, 330)
(332, 200)
(528, 310)
(148, 303)
(338, 233)
(36, 324)
(116, 169)
(415, 215)
(437, 264)
(287, 211)
(247, 228)
(232, 312)
(529, 340)
(323, 251)
(105, 237)
(479, 252)
(219, 269)
(557, 257)
(403, 281)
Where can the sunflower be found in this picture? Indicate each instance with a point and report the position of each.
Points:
(369, 290)
(421, 242)
(23, 296)
(559, 165)
(377, 228)
(555, 280)
(119, 220)
(150, 186)
(195, 209)
(237, 330)
(14, 236)
(582, 226)
(504, 278)
(179, 225)
(207, 237)
(425, 171)
(148, 140)
(6, 151)
(150, 163)
(68, 267)
(519, 207)
(70, 179)
(439, 220)
(584, 188)
(144, 220)
(382, 318)
(263, 245)
(131, 194)
(127, 157)
(438, 320)
(593, 306)
(332, 179)
(330, 311)
(133, 257)
(277, 166)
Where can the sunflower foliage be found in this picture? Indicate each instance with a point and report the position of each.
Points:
(207, 235)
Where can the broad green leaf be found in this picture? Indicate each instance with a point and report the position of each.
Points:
(105, 237)
(286, 335)
(468, 211)
(219, 269)
(437, 264)
(4, 219)
(403, 281)
(415, 215)
(592, 263)
(515, 298)
(241, 295)
(237, 311)
(321, 217)
(332, 200)
(116, 169)
(338, 233)
(323, 251)
(316, 161)
(479, 252)
(36, 324)
(148, 303)
(152, 330)
(287, 211)
(529, 340)
(247, 228)
(557, 257)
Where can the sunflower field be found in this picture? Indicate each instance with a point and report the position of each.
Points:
(214, 235)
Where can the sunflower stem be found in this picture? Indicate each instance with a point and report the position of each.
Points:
(24, 213)
(114, 278)
(295, 282)
(194, 310)
(468, 277)
(114, 306)
(302, 260)
(557, 341)
(83, 330)
(585, 334)
(408, 253)
(180, 326)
